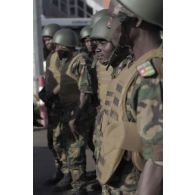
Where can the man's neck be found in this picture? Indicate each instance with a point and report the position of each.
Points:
(144, 43)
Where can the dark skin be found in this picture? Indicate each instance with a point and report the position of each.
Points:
(151, 179)
(48, 42)
(143, 37)
(88, 44)
(104, 50)
(146, 34)
(82, 102)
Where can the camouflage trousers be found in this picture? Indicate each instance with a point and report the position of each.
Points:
(108, 190)
(53, 134)
(97, 134)
(73, 149)
(123, 182)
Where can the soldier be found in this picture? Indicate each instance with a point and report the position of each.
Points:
(74, 88)
(52, 79)
(85, 39)
(132, 121)
(104, 53)
(106, 49)
(88, 56)
(47, 34)
(79, 70)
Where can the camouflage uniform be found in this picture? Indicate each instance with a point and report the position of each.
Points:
(87, 84)
(75, 145)
(52, 79)
(112, 73)
(143, 107)
(104, 76)
(63, 108)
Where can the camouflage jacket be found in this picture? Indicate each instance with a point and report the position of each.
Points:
(80, 69)
(144, 104)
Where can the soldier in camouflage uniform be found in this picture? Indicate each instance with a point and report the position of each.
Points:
(104, 53)
(52, 79)
(87, 54)
(75, 88)
(131, 127)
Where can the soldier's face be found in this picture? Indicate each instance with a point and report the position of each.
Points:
(48, 41)
(61, 50)
(59, 47)
(104, 50)
(88, 44)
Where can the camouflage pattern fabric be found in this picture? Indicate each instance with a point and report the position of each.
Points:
(97, 132)
(80, 69)
(52, 79)
(143, 106)
(130, 175)
(73, 145)
(74, 149)
(124, 180)
(108, 190)
(148, 111)
(70, 148)
(54, 134)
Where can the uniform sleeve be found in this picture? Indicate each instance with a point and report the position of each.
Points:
(146, 106)
(80, 71)
(85, 80)
(76, 68)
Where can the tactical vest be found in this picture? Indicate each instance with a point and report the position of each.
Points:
(69, 92)
(104, 77)
(52, 76)
(120, 135)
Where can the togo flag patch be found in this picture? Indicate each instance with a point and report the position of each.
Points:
(146, 69)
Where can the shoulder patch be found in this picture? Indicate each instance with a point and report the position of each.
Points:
(146, 69)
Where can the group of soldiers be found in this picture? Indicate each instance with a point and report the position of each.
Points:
(107, 96)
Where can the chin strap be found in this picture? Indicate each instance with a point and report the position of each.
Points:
(118, 54)
(112, 57)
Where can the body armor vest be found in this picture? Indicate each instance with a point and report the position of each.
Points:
(69, 92)
(120, 135)
(104, 77)
(52, 76)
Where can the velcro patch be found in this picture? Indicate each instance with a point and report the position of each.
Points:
(146, 69)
